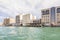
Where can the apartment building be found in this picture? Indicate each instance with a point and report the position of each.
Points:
(28, 18)
(19, 19)
(51, 16)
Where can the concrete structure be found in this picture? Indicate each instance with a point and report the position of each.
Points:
(19, 19)
(51, 16)
(28, 18)
(8, 21)
(45, 16)
(36, 23)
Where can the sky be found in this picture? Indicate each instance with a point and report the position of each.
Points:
(10, 8)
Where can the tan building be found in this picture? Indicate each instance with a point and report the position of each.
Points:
(9, 21)
(51, 16)
(28, 18)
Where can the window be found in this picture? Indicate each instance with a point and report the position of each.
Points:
(57, 14)
(58, 21)
(47, 22)
(47, 11)
(44, 12)
(58, 10)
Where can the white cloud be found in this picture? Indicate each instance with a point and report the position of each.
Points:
(1, 17)
(14, 7)
(50, 3)
(19, 6)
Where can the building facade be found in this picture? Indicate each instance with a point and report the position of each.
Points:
(28, 18)
(8, 21)
(51, 16)
(19, 19)
(37, 21)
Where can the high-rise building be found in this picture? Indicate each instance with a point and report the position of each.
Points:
(8, 21)
(28, 18)
(51, 16)
(19, 19)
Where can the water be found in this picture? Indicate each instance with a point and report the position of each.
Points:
(29, 33)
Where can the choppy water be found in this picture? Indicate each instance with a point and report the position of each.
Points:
(29, 33)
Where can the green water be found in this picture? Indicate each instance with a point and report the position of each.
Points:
(29, 33)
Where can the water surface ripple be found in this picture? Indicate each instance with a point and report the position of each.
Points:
(29, 33)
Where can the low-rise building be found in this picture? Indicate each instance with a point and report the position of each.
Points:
(36, 23)
(8, 21)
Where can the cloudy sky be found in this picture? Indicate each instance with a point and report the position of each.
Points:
(10, 8)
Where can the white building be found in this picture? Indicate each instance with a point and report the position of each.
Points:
(28, 18)
(19, 19)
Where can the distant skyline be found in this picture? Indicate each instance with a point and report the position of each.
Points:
(10, 8)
